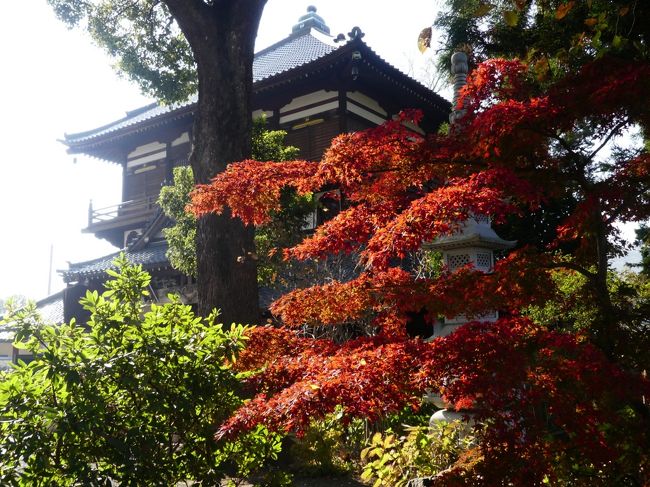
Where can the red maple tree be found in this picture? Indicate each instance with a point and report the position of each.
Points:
(553, 398)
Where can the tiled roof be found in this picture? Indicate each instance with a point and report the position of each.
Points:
(132, 118)
(7, 335)
(151, 257)
(290, 53)
(51, 308)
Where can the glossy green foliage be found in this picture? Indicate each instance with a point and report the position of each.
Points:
(142, 37)
(133, 396)
(329, 446)
(268, 145)
(12, 303)
(392, 460)
(572, 309)
(181, 236)
(282, 231)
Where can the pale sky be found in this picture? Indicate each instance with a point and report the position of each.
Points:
(55, 81)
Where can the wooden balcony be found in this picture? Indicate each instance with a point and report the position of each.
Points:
(125, 213)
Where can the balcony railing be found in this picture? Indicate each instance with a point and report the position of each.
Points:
(126, 209)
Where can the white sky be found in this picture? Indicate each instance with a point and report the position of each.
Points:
(55, 81)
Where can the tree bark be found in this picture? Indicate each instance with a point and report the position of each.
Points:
(222, 37)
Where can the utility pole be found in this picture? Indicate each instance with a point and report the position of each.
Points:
(49, 277)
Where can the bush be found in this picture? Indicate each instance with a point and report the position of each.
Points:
(329, 447)
(131, 397)
(422, 451)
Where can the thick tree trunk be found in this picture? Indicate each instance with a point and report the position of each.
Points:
(222, 37)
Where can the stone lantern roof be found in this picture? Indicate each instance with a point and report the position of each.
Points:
(475, 232)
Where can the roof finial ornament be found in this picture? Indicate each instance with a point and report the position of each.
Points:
(356, 33)
(459, 69)
(310, 20)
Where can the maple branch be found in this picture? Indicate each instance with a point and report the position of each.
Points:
(578, 268)
(611, 134)
(384, 170)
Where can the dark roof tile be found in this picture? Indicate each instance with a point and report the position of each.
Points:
(290, 53)
(152, 256)
(51, 308)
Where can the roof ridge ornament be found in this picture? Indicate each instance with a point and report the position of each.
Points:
(356, 33)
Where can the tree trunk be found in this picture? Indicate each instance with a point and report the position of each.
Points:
(605, 330)
(222, 37)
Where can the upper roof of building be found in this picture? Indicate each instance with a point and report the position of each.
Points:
(287, 54)
(309, 40)
(307, 50)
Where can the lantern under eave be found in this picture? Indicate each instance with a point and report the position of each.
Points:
(473, 244)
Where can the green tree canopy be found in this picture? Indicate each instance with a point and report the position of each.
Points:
(144, 39)
(555, 35)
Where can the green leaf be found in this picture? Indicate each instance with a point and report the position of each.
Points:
(511, 17)
(364, 452)
(127, 381)
(482, 10)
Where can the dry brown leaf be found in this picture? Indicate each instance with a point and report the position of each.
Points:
(563, 10)
(424, 39)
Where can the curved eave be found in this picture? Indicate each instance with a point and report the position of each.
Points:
(95, 269)
(390, 73)
(71, 276)
(104, 146)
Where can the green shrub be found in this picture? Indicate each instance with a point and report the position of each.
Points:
(329, 447)
(131, 397)
(422, 451)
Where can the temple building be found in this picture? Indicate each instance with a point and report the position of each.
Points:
(311, 84)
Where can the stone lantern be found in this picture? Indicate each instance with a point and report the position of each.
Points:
(473, 244)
